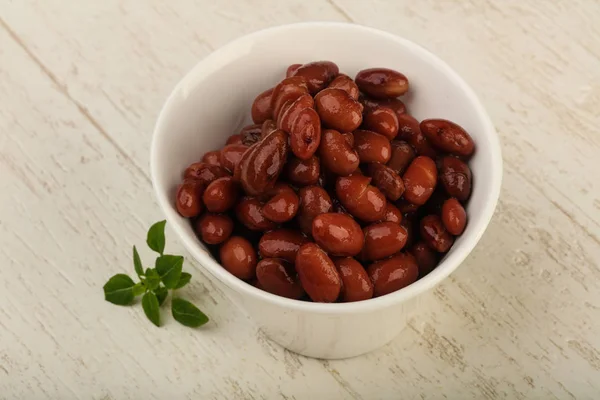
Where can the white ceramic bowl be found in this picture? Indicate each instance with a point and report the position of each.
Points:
(213, 101)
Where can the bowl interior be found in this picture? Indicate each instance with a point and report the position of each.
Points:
(213, 102)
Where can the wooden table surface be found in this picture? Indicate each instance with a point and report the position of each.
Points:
(81, 83)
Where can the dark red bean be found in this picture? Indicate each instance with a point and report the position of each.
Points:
(214, 228)
(448, 136)
(356, 285)
(393, 273)
(318, 274)
(188, 199)
(381, 82)
(279, 277)
(238, 257)
(454, 216)
(435, 235)
(338, 234)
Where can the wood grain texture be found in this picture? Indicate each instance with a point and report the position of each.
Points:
(80, 86)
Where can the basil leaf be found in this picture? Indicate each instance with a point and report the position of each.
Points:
(119, 290)
(156, 237)
(187, 314)
(183, 280)
(138, 289)
(152, 278)
(137, 262)
(169, 268)
(150, 305)
(161, 294)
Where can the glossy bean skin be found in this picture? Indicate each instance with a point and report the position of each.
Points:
(455, 176)
(396, 105)
(338, 234)
(356, 284)
(261, 165)
(345, 83)
(409, 130)
(381, 120)
(249, 212)
(214, 228)
(305, 135)
(291, 69)
(349, 138)
(435, 235)
(281, 243)
(381, 83)
(338, 110)
(234, 139)
(251, 134)
(188, 199)
(386, 180)
(427, 259)
(290, 112)
(372, 147)
(318, 74)
(402, 155)
(288, 89)
(212, 158)
(268, 127)
(221, 194)
(318, 274)
(283, 206)
(361, 199)
(261, 107)
(393, 273)
(383, 239)
(419, 180)
(392, 214)
(231, 155)
(314, 200)
(278, 277)
(238, 257)
(448, 136)
(337, 154)
(204, 173)
(454, 216)
(303, 172)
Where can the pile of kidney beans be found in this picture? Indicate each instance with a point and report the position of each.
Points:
(335, 193)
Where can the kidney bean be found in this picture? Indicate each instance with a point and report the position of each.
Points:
(261, 107)
(261, 165)
(435, 235)
(336, 154)
(337, 234)
(283, 206)
(386, 180)
(362, 200)
(212, 158)
(268, 127)
(303, 172)
(381, 83)
(238, 257)
(318, 274)
(410, 130)
(281, 243)
(382, 240)
(448, 136)
(338, 110)
(454, 216)
(419, 180)
(288, 89)
(402, 156)
(279, 277)
(234, 139)
(288, 115)
(318, 74)
(205, 173)
(396, 105)
(349, 138)
(393, 273)
(427, 259)
(372, 147)
(231, 155)
(214, 228)
(250, 134)
(345, 83)
(381, 120)
(356, 285)
(314, 200)
(221, 194)
(455, 176)
(249, 212)
(188, 199)
(392, 214)
(291, 69)
(305, 135)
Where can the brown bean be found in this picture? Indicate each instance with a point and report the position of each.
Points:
(249, 212)
(402, 156)
(356, 285)
(231, 155)
(205, 173)
(454, 216)
(291, 69)
(336, 154)
(427, 259)
(318, 274)
(338, 110)
(188, 199)
(212, 157)
(419, 180)
(261, 107)
(288, 89)
(261, 165)
(281, 243)
(382, 240)
(283, 206)
(251, 134)
(318, 74)
(382, 120)
(409, 130)
(238, 257)
(396, 105)
(345, 83)
(314, 200)
(214, 228)
(268, 127)
(386, 180)
(455, 176)
(234, 139)
(289, 114)
(337, 234)
(305, 135)
(435, 235)
(393, 274)
(279, 277)
(221, 194)
(349, 138)
(372, 147)
(392, 214)
(381, 83)
(303, 172)
(448, 136)
(362, 200)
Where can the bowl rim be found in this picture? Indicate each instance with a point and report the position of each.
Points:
(445, 268)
